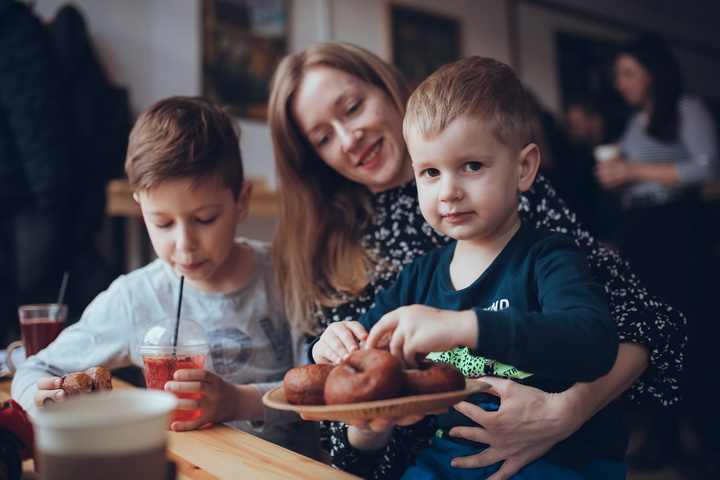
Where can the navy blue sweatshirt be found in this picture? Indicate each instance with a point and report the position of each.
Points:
(538, 310)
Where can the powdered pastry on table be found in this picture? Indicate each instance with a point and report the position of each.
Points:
(94, 379)
(76, 383)
(101, 379)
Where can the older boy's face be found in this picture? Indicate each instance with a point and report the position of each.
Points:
(467, 180)
(192, 228)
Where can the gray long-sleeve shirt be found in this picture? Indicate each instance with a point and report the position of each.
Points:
(694, 153)
(251, 342)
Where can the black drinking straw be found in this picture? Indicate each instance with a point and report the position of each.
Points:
(61, 295)
(179, 306)
(63, 286)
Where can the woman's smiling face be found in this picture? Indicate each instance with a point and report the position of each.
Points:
(353, 126)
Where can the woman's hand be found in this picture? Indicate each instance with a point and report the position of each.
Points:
(338, 341)
(614, 174)
(219, 400)
(530, 422)
(527, 425)
(49, 389)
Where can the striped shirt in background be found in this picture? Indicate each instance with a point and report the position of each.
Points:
(695, 153)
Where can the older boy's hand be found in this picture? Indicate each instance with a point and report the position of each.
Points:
(218, 402)
(422, 329)
(49, 389)
(338, 341)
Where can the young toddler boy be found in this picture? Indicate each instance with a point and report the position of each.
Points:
(504, 299)
(185, 169)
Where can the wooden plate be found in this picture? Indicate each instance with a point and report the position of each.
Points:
(394, 407)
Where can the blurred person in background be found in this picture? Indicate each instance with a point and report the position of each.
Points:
(667, 151)
(35, 170)
(585, 127)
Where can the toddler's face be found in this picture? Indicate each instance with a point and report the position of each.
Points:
(467, 180)
(192, 228)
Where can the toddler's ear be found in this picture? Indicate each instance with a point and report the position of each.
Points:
(528, 164)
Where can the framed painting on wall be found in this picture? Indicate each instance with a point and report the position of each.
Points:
(242, 43)
(422, 41)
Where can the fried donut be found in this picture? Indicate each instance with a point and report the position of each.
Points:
(101, 379)
(365, 375)
(77, 383)
(435, 377)
(305, 385)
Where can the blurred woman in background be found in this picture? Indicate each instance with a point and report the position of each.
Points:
(668, 150)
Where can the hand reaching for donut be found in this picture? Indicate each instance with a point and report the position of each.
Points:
(419, 329)
(338, 341)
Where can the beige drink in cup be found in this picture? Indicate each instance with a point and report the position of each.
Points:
(116, 436)
(169, 346)
(606, 152)
(40, 324)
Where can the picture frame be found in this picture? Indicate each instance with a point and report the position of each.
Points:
(242, 43)
(422, 41)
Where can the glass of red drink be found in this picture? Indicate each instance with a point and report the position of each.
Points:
(40, 324)
(169, 346)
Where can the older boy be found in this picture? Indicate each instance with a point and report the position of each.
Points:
(185, 169)
(505, 299)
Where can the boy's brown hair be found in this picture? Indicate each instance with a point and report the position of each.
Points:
(184, 137)
(473, 87)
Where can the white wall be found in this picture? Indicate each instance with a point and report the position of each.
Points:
(153, 46)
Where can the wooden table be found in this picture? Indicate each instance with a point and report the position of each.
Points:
(221, 452)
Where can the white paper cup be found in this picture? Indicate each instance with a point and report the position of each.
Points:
(605, 152)
(120, 436)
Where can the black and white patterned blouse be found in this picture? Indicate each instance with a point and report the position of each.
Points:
(399, 234)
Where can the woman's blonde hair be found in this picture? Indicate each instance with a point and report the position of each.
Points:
(318, 253)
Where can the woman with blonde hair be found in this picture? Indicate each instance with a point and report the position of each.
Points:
(349, 222)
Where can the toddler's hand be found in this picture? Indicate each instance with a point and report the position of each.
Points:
(422, 329)
(338, 341)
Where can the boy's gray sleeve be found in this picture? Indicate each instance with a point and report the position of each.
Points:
(25, 381)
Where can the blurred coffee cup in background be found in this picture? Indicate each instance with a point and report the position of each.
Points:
(606, 152)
